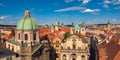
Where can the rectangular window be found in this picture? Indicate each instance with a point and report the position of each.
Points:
(8, 46)
(57, 45)
(34, 37)
(19, 36)
(9, 58)
(12, 48)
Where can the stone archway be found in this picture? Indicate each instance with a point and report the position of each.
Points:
(73, 57)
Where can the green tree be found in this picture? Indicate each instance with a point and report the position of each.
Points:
(66, 35)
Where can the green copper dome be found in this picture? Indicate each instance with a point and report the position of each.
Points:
(27, 23)
(76, 27)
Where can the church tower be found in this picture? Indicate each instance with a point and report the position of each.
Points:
(57, 25)
(27, 30)
(26, 40)
(108, 25)
(52, 28)
(82, 30)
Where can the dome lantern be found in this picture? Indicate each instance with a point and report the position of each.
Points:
(27, 13)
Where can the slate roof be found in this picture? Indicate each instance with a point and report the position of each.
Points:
(12, 40)
(4, 52)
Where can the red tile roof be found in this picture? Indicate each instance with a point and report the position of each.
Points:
(109, 51)
(7, 37)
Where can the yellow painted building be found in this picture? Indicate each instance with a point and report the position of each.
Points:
(57, 46)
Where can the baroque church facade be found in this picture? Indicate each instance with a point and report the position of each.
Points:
(75, 48)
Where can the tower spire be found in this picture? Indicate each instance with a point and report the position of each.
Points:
(108, 22)
(82, 22)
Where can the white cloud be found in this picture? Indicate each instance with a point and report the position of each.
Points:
(2, 5)
(91, 10)
(2, 17)
(105, 6)
(5, 18)
(68, 1)
(114, 20)
(86, 1)
(107, 2)
(115, 2)
(70, 9)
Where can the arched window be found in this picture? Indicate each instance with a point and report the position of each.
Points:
(73, 56)
(64, 57)
(18, 36)
(26, 36)
(34, 36)
(82, 57)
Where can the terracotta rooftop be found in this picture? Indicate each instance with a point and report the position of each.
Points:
(109, 51)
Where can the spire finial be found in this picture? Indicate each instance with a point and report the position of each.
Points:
(108, 22)
(82, 22)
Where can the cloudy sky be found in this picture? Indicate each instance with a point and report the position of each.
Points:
(65, 11)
